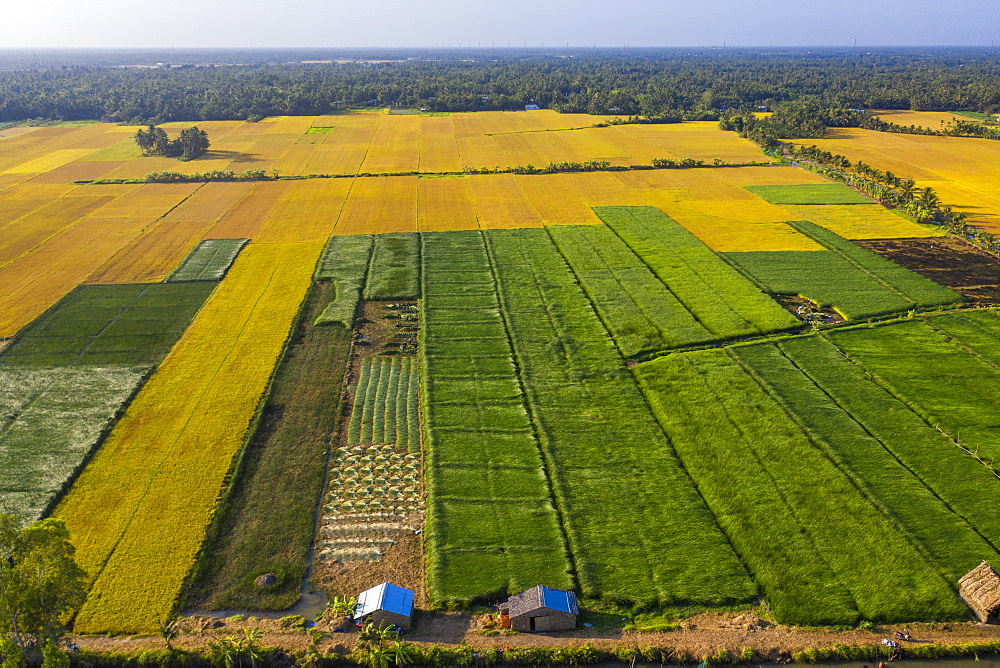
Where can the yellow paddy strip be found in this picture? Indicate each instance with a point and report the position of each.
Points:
(151, 200)
(139, 511)
(244, 218)
(438, 145)
(395, 146)
(209, 203)
(380, 204)
(36, 280)
(861, 221)
(444, 204)
(150, 257)
(500, 202)
(49, 162)
(307, 211)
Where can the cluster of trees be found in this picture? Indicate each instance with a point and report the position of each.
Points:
(652, 83)
(191, 143)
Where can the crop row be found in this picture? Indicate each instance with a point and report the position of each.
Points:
(344, 263)
(176, 444)
(385, 407)
(818, 547)
(208, 261)
(725, 303)
(636, 526)
(491, 525)
(50, 421)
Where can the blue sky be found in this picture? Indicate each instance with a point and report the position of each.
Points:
(340, 23)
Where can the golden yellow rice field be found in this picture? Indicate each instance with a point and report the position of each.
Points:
(151, 256)
(176, 442)
(965, 172)
(861, 221)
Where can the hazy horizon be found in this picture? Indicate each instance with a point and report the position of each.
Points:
(116, 24)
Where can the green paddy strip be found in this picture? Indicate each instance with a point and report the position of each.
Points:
(344, 263)
(491, 526)
(208, 261)
(720, 298)
(395, 267)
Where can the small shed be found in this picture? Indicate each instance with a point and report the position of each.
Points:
(542, 609)
(386, 603)
(531, 106)
(980, 589)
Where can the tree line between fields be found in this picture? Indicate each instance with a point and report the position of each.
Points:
(652, 83)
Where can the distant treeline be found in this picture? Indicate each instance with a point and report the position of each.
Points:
(649, 83)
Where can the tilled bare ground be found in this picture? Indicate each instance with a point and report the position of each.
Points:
(385, 543)
(973, 273)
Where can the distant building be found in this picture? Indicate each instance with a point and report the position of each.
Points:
(109, 119)
(541, 609)
(386, 603)
(980, 589)
(531, 107)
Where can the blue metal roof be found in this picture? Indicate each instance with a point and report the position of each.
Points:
(557, 599)
(386, 597)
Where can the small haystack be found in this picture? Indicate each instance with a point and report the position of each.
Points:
(980, 590)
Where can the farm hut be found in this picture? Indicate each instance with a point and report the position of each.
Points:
(980, 589)
(541, 609)
(386, 603)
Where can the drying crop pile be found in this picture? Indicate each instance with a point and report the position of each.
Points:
(855, 281)
(149, 532)
(209, 261)
(374, 495)
(387, 398)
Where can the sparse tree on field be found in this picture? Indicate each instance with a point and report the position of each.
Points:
(40, 582)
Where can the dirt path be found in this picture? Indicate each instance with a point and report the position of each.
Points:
(698, 637)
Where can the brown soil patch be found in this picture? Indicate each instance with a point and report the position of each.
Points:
(807, 310)
(384, 329)
(699, 636)
(4, 342)
(973, 273)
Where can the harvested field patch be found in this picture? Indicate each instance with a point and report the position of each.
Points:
(969, 271)
(34, 229)
(77, 171)
(151, 200)
(48, 162)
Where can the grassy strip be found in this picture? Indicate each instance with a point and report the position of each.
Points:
(919, 290)
(582, 399)
(822, 553)
(50, 422)
(395, 267)
(266, 524)
(641, 314)
(910, 470)
(809, 193)
(491, 525)
(345, 263)
(723, 301)
(936, 376)
(208, 261)
(108, 325)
